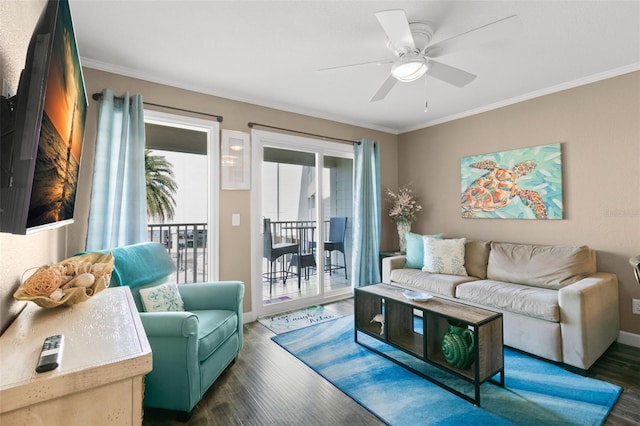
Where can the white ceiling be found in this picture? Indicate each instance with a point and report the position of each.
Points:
(268, 52)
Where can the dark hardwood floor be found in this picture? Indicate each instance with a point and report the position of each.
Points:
(620, 365)
(268, 386)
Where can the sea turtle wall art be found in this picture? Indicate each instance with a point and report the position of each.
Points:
(518, 184)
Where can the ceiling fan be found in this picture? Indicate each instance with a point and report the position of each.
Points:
(415, 56)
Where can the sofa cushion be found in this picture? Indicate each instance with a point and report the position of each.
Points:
(415, 249)
(542, 266)
(444, 256)
(439, 284)
(521, 299)
(476, 256)
(214, 327)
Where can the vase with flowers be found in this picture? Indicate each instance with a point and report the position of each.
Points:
(404, 208)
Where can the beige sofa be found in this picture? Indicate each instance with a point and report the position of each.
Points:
(555, 305)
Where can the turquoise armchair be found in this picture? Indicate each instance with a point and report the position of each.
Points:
(191, 348)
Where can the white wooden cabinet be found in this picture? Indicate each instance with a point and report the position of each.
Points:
(100, 379)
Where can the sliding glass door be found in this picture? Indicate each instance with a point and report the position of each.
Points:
(302, 197)
(290, 226)
(337, 206)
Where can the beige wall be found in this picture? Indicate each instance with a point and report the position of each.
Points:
(235, 242)
(598, 126)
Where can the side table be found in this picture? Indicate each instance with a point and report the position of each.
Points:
(100, 379)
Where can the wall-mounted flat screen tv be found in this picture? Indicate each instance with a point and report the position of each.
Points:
(43, 129)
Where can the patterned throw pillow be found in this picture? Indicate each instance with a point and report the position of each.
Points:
(444, 256)
(415, 249)
(162, 298)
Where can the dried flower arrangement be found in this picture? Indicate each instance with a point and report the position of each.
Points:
(404, 205)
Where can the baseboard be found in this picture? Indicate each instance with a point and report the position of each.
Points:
(624, 337)
(630, 339)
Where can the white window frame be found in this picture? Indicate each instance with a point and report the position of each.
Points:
(260, 139)
(212, 129)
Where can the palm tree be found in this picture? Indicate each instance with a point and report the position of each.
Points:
(160, 186)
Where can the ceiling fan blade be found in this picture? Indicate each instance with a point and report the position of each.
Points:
(384, 89)
(449, 74)
(396, 26)
(502, 28)
(380, 62)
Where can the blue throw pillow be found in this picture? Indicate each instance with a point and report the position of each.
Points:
(415, 249)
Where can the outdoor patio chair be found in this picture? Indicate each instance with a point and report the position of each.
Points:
(272, 252)
(305, 258)
(337, 232)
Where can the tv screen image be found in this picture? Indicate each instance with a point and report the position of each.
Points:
(61, 133)
(39, 187)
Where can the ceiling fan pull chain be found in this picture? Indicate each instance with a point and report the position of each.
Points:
(426, 101)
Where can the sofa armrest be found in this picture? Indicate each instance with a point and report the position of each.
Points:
(389, 264)
(589, 318)
(174, 381)
(225, 295)
(169, 324)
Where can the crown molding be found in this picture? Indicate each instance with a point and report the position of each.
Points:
(532, 95)
(127, 72)
(103, 66)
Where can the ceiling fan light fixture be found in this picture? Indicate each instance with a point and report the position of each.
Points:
(409, 67)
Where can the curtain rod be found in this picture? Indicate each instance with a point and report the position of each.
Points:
(251, 125)
(98, 96)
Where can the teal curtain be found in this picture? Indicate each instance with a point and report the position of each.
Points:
(118, 212)
(366, 215)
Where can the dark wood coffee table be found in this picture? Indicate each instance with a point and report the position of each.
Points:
(398, 331)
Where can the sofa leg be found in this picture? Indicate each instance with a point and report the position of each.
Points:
(575, 370)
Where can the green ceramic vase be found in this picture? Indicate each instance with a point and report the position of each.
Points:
(457, 346)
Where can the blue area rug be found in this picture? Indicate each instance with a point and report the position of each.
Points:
(293, 320)
(536, 392)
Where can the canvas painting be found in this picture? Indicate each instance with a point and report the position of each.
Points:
(518, 184)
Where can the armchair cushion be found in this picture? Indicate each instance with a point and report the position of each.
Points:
(214, 328)
(162, 298)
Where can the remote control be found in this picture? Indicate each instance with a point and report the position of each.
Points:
(50, 354)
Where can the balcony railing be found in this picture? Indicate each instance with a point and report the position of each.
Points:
(284, 231)
(302, 232)
(305, 234)
(187, 245)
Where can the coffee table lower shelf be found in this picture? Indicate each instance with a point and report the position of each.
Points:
(475, 400)
(398, 332)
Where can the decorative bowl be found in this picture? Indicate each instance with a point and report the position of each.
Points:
(71, 281)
